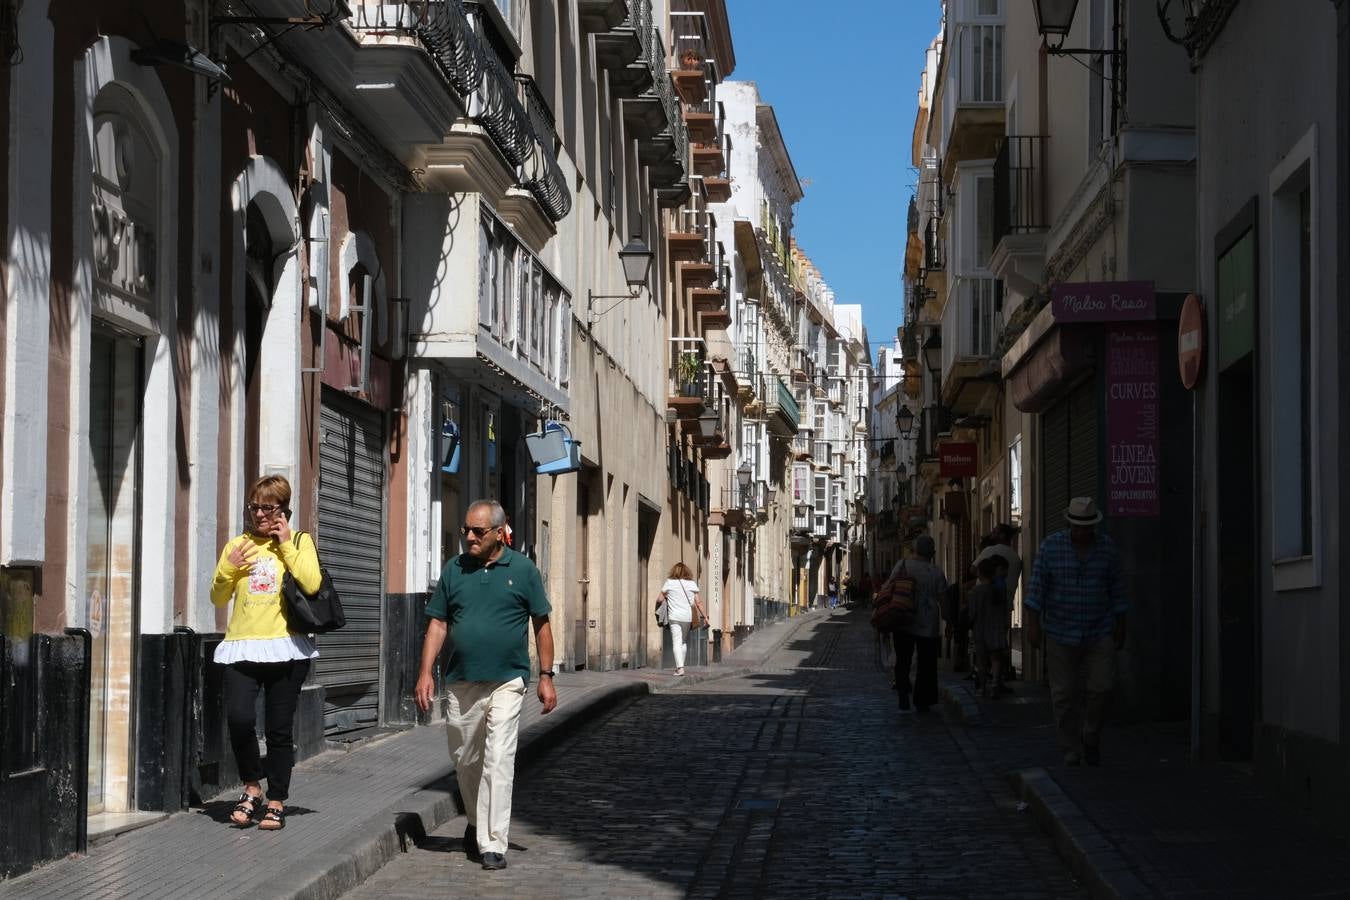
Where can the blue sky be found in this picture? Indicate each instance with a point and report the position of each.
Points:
(843, 79)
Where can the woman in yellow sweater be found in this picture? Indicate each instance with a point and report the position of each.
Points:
(259, 652)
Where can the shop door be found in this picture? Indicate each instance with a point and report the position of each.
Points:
(112, 568)
(1238, 661)
(351, 545)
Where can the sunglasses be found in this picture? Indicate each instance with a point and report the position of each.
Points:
(264, 508)
(476, 531)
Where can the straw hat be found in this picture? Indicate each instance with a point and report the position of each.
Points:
(1082, 511)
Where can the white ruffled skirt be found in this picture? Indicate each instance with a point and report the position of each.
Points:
(267, 650)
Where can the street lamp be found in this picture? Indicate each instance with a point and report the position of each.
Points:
(743, 475)
(708, 422)
(904, 420)
(636, 261)
(1054, 17)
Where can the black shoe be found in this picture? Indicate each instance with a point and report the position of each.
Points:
(1092, 756)
(494, 860)
(471, 844)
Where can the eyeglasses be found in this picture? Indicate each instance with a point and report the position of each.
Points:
(264, 508)
(476, 531)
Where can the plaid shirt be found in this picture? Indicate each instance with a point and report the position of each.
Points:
(1078, 599)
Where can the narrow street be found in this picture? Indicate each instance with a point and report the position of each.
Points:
(797, 780)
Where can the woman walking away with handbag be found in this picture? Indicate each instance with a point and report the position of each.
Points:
(259, 651)
(920, 635)
(680, 595)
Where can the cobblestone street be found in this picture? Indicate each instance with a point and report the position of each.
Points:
(798, 780)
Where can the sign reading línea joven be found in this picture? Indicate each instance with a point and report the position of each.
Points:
(1132, 421)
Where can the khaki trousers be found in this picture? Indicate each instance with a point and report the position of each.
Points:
(1081, 679)
(483, 726)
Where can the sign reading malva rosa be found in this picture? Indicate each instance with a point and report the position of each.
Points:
(1102, 301)
(1133, 415)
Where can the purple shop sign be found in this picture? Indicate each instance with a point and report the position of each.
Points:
(1102, 301)
(1133, 413)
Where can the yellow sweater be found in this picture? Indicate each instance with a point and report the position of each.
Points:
(256, 588)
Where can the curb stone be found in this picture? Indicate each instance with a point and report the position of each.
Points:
(1094, 859)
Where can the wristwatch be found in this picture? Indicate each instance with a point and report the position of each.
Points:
(549, 672)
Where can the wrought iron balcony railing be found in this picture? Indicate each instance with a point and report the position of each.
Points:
(513, 114)
(934, 254)
(1018, 173)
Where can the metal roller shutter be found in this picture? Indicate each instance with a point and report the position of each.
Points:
(1054, 466)
(1083, 442)
(351, 545)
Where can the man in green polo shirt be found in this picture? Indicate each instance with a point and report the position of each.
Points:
(485, 598)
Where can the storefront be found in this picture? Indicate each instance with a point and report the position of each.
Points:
(1114, 423)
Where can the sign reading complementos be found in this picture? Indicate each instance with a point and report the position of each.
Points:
(1133, 414)
(1102, 301)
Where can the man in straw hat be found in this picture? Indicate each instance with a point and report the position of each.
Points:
(1076, 596)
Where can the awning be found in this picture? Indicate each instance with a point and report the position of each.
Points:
(1058, 360)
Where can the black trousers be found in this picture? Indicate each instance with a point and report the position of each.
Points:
(925, 687)
(280, 684)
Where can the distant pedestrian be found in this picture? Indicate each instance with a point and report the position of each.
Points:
(1000, 546)
(485, 599)
(683, 609)
(988, 611)
(259, 652)
(1076, 598)
(866, 586)
(922, 636)
(834, 592)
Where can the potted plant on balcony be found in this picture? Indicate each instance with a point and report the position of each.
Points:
(689, 370)
(689, 58)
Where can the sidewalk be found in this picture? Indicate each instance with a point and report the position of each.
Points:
(353, 808)
(1146, 822)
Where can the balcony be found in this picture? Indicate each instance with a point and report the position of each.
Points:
(710, 302)
(600, 16)
(501, 108)
(837, 391)
(803, 445)
(747, 370)
(688, 241)
(689, 382)
(425, 85)
(651, 110)
(622, 51)
(971, 325)
(783, 413)
(934, 251)
(711, 149)
(1019, 214)
(976, 120)
(736, 507)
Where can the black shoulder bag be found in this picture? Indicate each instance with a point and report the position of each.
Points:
(316, 613)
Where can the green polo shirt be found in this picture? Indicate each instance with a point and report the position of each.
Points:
(488, 608)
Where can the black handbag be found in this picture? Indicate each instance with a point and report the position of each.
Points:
(316, 613)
